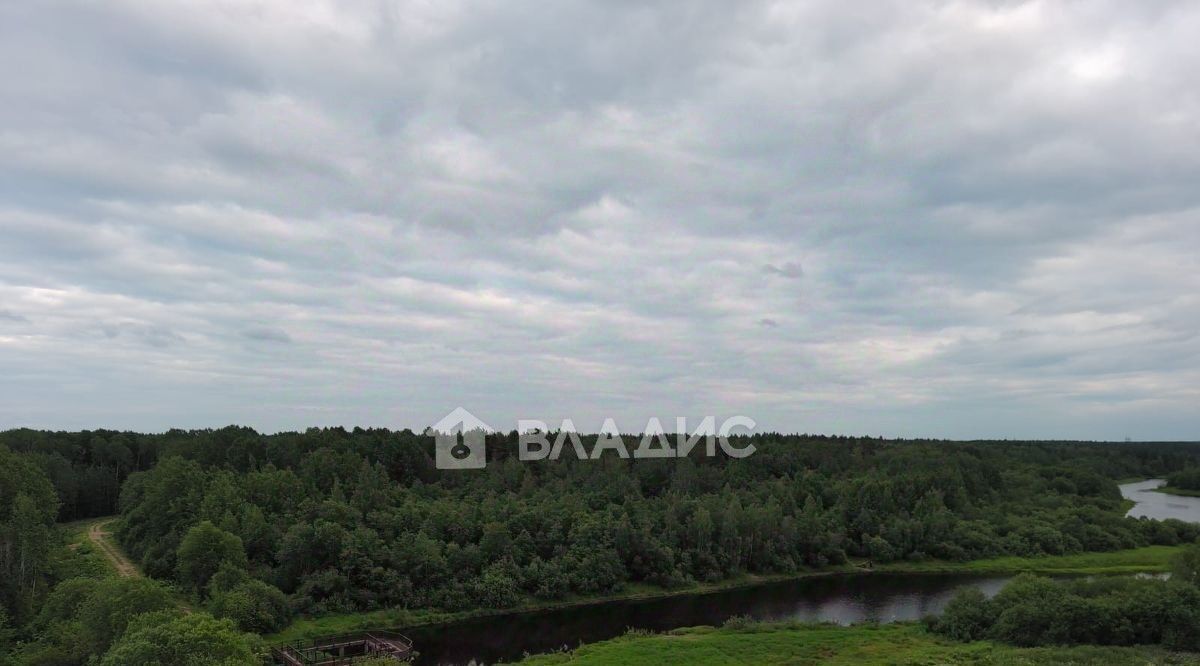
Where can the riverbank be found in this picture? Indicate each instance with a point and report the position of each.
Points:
(781, 643)
(1182, 492)
(1149, 559)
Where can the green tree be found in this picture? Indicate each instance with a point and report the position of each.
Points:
(157, 507)
(495, 589)
(204, 550)
(196, 639)
(227, 578)
(6, 635)
(29, 534)
(113, 603)
(967, 617)
(495, 542)
(28, 507)
(254, 606)
(64, 602)
(1185, 567)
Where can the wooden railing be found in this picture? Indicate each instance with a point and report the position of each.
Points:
(345, 650)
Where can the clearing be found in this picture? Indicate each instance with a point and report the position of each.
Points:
(102, 538)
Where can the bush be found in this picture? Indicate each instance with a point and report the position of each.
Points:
(254, 606)
(197, 639)
(737, 622)
(1032, 611)
(1185, 567)
(113, 603)
(205, 549)
(967, 617)
(227, 578)
(1187, 479)
(495, 589)
(6, 635)
(63, 602)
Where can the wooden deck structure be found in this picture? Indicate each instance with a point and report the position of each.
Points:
(345, 650)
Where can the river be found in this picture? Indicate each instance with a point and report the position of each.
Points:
(1151, 504)
(840, 598)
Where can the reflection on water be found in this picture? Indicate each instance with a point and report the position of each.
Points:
(844, 599)
(1151, 504)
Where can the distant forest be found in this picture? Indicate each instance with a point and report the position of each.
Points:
(260, 527)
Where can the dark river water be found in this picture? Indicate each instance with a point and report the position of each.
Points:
(843, 598)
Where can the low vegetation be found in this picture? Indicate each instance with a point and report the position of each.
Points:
(893, 645)
(1148, 559)
(119, 617)
(1182, 492)
(1033, 611)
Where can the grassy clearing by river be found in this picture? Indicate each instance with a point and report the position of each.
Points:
(1168, 490)
(1149, 559)
(825, 644)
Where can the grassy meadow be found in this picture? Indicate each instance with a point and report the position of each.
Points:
(894, 644)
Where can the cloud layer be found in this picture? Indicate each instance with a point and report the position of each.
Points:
(961, 219)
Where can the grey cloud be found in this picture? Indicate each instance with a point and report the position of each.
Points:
(267, 334)
(151, 335)
(790, 269)
(501, 207)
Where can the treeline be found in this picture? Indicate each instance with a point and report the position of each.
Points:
(86, 468)
(336, 520)
(1034, 611)
(28, 506)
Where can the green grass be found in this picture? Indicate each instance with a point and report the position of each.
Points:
(79, 557)
(345, 623)
(1184, 492)
(1149, 559)
(826, 644)
(79, 560)
(76, 531)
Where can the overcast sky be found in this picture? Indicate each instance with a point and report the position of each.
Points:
(959, 219)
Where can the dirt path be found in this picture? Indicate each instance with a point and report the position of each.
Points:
(125, 568)
(103, 540)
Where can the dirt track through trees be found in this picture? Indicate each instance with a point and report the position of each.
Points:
(103, 540)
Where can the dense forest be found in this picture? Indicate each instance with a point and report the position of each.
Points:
(359, 520)
(257, 528)
(86, 468)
